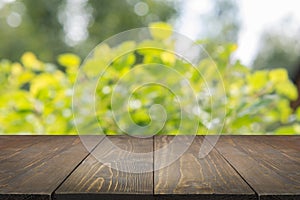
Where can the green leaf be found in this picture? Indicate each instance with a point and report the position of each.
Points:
(69, 60)
(168, 58)
(298, 113)
(258, 80)
(31, 62)
(150, 48)
(46, 83)
(278, 75)
(287, 89)
(283, 106)
(125, 48)
(160, 30)
(288, 130)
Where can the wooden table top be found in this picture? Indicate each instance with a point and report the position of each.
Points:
(238, 167)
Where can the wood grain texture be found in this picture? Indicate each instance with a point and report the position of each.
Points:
(95, 180)
(207, 178)
(286, 144)
(269, 164)
(10, 145)
(32, 167)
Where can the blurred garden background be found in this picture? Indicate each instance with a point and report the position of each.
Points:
(255, 45)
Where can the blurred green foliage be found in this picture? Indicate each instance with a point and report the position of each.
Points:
(224, 21)
(54, 27)
(36, 97)
(279, 49)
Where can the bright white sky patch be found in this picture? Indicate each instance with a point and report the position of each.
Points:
(189, 22)
(257, 16)
(75, 19)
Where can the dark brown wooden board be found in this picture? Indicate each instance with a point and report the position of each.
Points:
(32, 167)
(288, 144)
(9, 144)
(10, 141)
(270, 166)
(189, 177)
(95, 180)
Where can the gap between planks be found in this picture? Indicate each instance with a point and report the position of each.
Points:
(157, 195)
(256, 194)
(88, 154)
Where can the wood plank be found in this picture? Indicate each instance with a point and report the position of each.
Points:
(272, 170)
(7, 141)
(34, 171)
(289, 143)
(191, 177)
(10, 144)
(95, 180)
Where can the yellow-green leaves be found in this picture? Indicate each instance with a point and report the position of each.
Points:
(44, 82)
(16, 69)
(277, 79)
(125, 61)
(283, 86)
(24, 78)
(36, 97)
(258, 80)
(288, 130)
(103, 52)
(278, 75)
(125, 48)
(30, 61)
(168, 58)
(160, 30)
(283, 106)
(19, 100)
(150, 48)
(69, 60)
(298, 114)
(287, 89)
